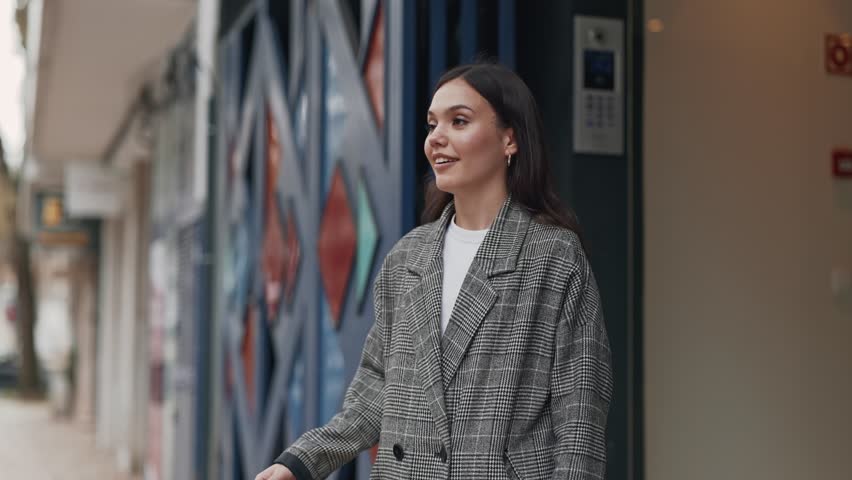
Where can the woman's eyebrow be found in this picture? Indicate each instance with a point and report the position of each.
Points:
(454, 107)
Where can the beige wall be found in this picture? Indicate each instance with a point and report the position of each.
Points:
(748, 355)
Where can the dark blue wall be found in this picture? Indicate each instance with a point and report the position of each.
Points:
(604, 191)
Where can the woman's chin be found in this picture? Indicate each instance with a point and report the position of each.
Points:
(445, 184)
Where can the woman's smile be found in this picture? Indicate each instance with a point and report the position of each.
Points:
(444, 160)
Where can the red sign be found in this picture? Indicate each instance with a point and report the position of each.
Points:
(842, 162)
(838, 53)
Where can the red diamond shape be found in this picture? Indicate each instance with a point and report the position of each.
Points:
(374, 68)
(274, 255)
(337, 241)
(292, 253)
(274, 261)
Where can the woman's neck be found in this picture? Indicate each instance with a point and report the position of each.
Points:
(477, 211)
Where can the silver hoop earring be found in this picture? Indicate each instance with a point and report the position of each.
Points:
(509, 160)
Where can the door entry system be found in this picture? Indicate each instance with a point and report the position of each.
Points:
(598, 85)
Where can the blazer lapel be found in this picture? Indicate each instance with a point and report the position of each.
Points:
(438, 357)
(423, 315)
(475, 299)
(497, 254)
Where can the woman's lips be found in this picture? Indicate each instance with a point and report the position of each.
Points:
(444, 162)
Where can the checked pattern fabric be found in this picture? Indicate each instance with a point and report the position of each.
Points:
(519, 385)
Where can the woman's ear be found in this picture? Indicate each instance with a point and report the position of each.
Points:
(510, 147)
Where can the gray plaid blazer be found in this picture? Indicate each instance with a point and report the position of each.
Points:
(519, 385)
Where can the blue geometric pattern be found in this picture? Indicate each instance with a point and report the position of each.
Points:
(325, 120)
(301, 363)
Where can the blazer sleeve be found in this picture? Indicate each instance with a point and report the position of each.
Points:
(581, 381)
(321, 451)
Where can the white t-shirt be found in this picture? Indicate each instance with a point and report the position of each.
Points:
(460, 247)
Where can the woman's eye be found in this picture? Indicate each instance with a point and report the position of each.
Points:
(460, 122)
(430, 127)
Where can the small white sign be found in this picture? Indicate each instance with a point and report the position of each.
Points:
(94, 191)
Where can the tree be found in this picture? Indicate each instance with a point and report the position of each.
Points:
(28, 378)
(16, 251)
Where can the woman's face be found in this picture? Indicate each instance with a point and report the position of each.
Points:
(466, 146)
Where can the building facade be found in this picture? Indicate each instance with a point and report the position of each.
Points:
(266, 161)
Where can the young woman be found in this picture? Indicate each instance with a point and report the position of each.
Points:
(489, 357)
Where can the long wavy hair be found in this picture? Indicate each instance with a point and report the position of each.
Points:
(528, 178)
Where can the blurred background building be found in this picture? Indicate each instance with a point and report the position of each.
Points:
(210, 186)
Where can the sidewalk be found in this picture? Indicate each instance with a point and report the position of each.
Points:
(32, 445)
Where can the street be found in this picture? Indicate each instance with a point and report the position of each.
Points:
(32, 445)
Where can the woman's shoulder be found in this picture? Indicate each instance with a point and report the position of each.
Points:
(553, 239)
(557, 251)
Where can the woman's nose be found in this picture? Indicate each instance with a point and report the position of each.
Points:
(437, 138)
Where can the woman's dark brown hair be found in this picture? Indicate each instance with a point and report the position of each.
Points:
(528, 178)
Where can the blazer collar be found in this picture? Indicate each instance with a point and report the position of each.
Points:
(500, 247)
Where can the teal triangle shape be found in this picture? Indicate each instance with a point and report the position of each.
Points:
(368, 240)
